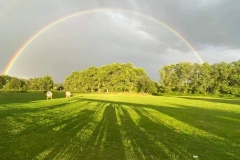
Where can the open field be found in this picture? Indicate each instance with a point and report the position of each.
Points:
(117, 126)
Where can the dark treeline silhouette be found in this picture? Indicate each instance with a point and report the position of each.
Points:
(181, 78)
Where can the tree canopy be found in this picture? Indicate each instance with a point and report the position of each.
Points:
(114, 77)
(183, 78)
(13, 83)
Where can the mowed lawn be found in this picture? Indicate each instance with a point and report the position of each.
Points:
(118, 126)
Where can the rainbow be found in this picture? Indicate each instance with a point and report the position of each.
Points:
(31, 39)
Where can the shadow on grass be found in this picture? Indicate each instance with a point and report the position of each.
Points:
(102, 129)
(215, 100)
(220, 124)
(11, 98)
(15, 111)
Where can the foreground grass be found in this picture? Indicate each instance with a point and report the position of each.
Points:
(101, 126)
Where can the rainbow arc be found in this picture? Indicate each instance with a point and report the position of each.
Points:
(49, 26)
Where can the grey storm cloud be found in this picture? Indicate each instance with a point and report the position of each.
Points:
(212, 28)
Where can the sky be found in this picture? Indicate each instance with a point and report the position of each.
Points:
(211, 27)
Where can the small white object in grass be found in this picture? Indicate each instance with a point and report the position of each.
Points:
(68, 94)
(49, 94)
(195, 156)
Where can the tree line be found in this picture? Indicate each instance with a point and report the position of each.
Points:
(14, 83)
(114, 77)
(184, 77)
(180, 78)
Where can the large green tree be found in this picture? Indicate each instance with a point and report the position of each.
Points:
(47, 82)
(14, 83)
(114, 77)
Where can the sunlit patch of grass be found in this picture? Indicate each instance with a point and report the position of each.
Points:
(230, 119)
(118, 126)
(44, 154)
(59, 127)
(176, 125)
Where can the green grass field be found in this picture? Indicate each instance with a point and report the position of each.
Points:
(117, 126)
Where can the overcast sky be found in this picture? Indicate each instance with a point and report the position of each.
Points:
(211, 26)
